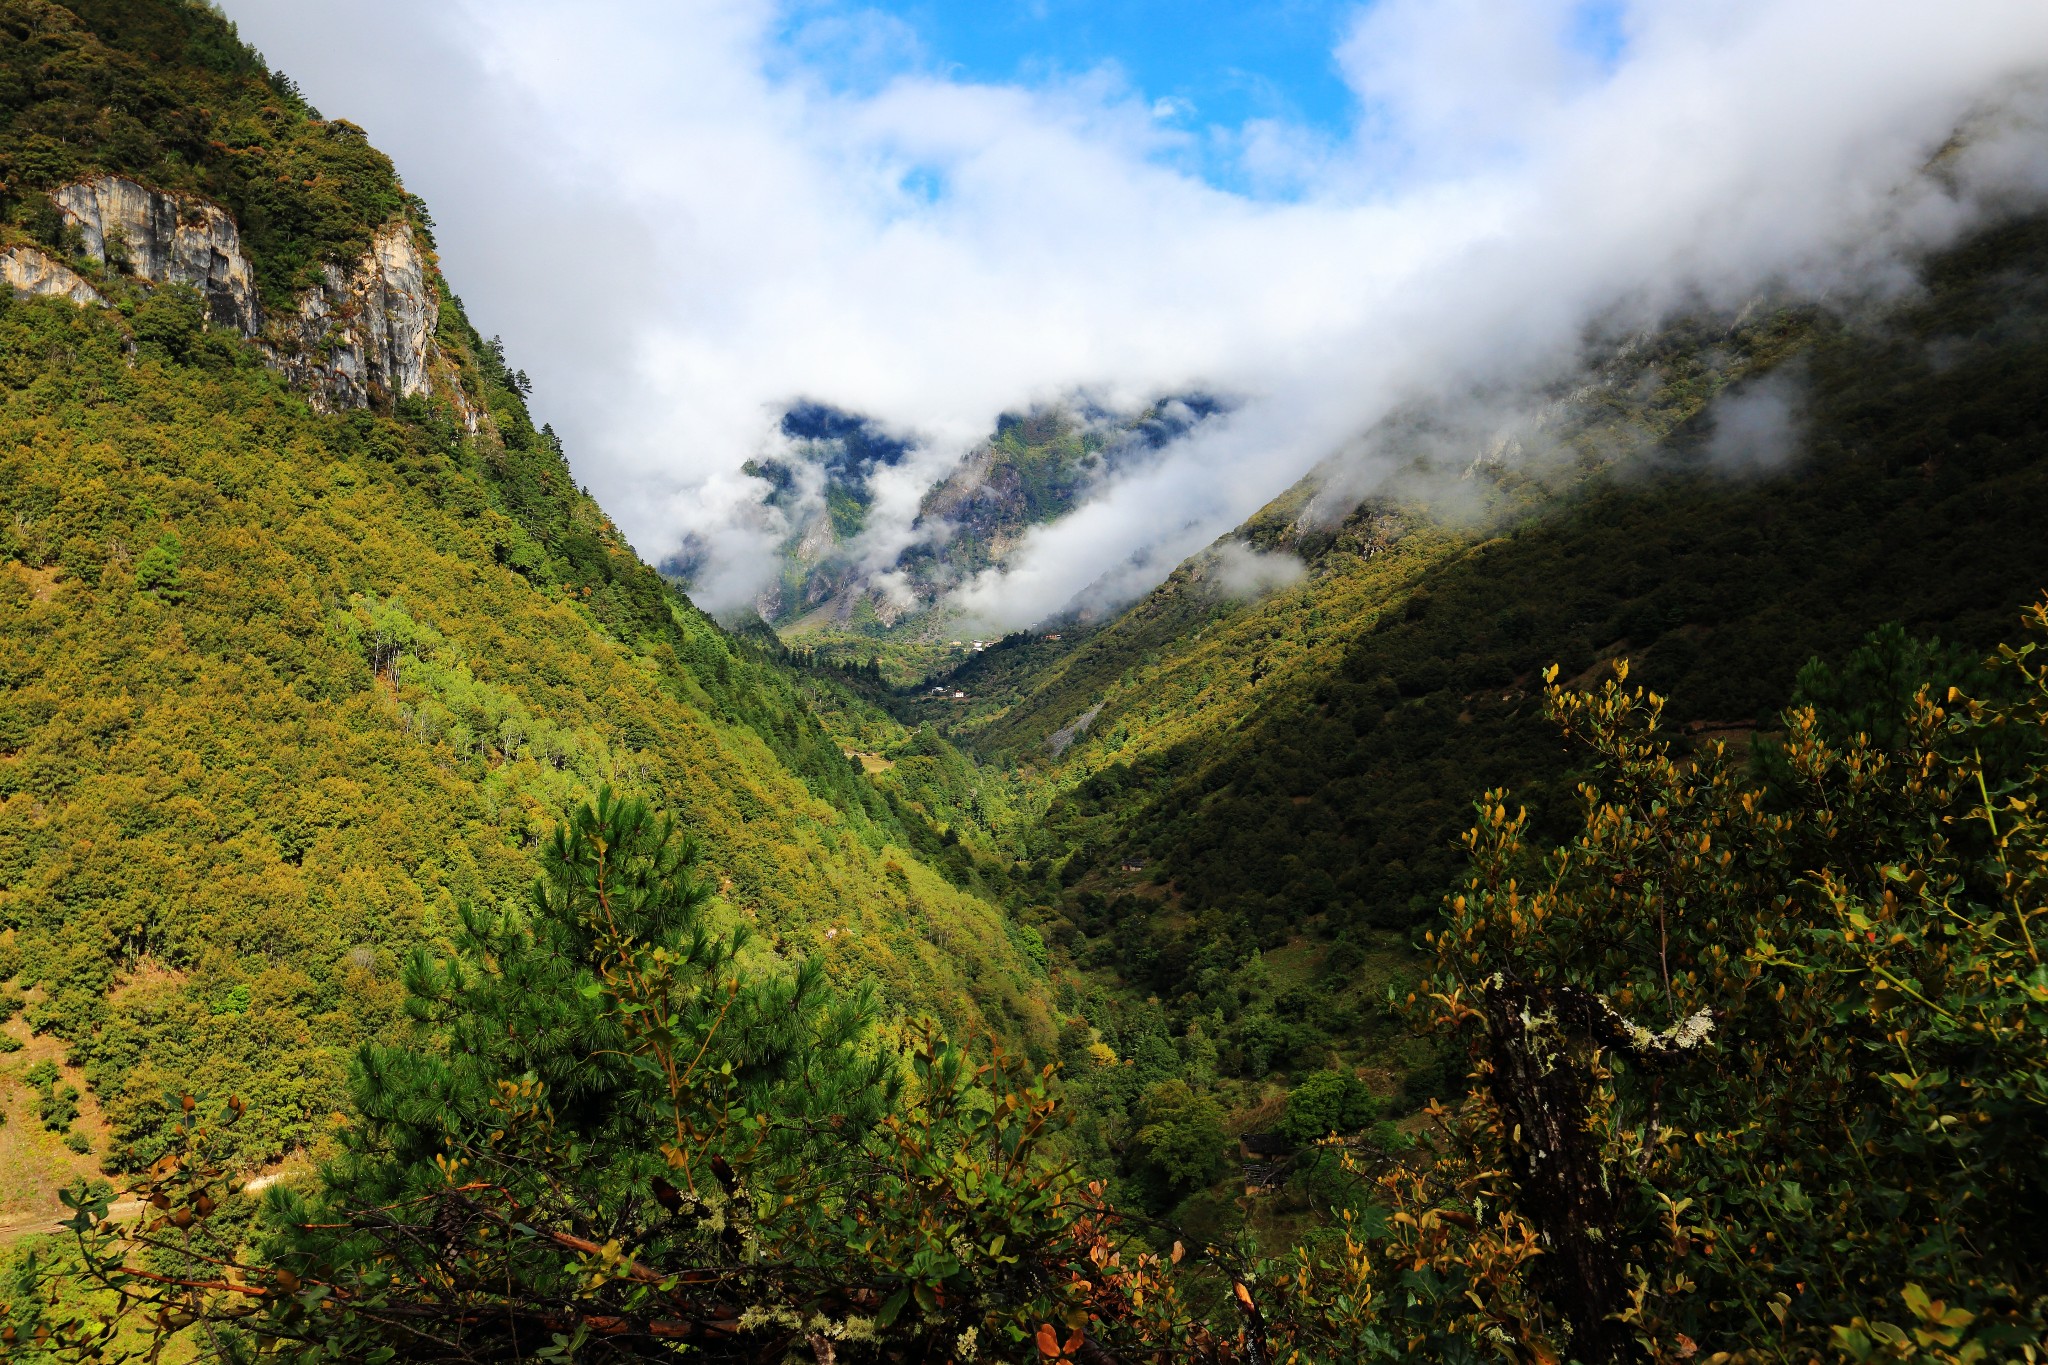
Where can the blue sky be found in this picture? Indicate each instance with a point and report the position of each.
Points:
(1207, 66)
(1229, 60)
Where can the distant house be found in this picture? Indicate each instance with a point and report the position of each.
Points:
(1265, 1157)
(1263, 1146)
(1133, 864)
(959, 696)
(1054, 636)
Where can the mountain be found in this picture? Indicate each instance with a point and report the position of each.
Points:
(334, 720)
(1250, 785)
(308, 636)
(857, 585)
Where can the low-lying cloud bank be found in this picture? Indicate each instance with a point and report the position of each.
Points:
(683, 222)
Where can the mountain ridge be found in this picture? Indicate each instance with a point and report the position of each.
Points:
(850, 602)
(1264, 806)
(295, 659)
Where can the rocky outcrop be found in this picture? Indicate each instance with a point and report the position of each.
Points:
(167, 239)
(365, 336)
(29, 271)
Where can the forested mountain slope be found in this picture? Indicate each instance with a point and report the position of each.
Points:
(316, 667)
(300, 648)
(1295, 770)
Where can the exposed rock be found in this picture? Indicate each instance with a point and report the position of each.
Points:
(1062, 739)
(167, 239)
(366, 336)
(29, 271)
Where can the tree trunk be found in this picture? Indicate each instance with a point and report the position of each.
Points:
(1556, 1161)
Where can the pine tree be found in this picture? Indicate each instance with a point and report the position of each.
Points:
(158, 571)
(621, 1131)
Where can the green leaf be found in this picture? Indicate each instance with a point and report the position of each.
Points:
(892, 1307)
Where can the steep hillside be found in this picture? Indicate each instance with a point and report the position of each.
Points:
(1255, 804)
(307, 635)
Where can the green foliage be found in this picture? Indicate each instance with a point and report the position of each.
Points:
(270, 790)
(165, 93)
(1843, 1111)
(264, 755)
(1180, 1142)
(56, 1101)
(157, 571)
(615, 1132)
(1262, 809)
(1871, 692)
(847, 512)
(1325, 1104)
(168, 321)
(57, 1107)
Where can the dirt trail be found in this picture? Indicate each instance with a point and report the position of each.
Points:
(120, 1212)
(55, 1220)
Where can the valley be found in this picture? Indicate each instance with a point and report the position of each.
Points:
(427, 934)
(1241, 811)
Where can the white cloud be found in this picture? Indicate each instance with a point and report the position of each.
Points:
(1756, 426)
(1239, 571)
(682, 221)
(1448, 82)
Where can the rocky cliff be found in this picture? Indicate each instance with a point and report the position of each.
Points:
(167, 240)
(28, 271)
(363, 337)
(1035, 468)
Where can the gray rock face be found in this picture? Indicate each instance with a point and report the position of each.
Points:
(365, 336)
(167, 239)
(29, 271)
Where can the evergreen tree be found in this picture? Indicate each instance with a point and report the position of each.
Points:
(158, 571)
(621, 1131)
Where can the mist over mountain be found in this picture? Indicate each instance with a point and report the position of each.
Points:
(932, 251)
(865, 549)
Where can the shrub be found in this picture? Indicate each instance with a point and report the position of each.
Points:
(1325, 1104)
(58, 1107)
